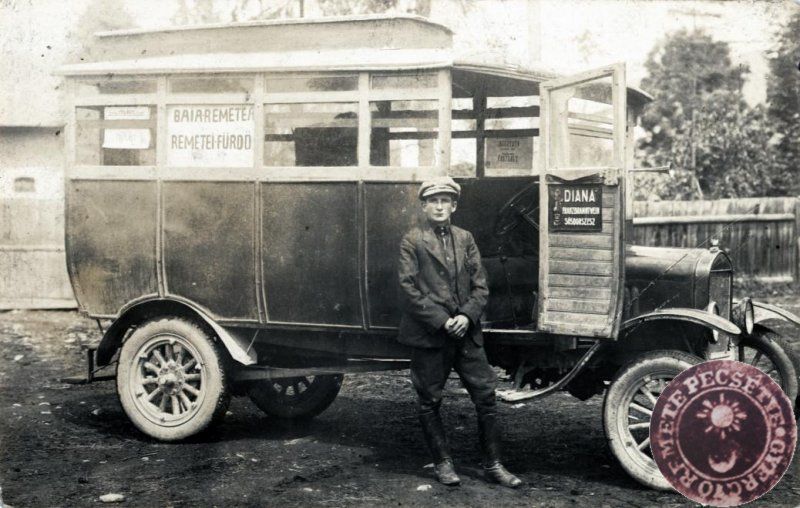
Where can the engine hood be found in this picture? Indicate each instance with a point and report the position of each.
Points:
(660, 277)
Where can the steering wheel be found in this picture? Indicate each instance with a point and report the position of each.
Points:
(523, 205)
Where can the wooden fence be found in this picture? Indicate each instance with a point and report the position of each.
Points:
(760, 234)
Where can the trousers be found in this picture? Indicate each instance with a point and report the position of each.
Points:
(430, 368)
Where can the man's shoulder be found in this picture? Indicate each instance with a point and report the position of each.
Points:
(413, 234)
(460, 231)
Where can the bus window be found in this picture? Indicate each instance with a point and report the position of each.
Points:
(463, 144)
(312, 134)
(403, 81)
(300, 84)
(586, 138)
(512, 125)
(211, 85)
(404, 133)
(105, 86)
(115, 135)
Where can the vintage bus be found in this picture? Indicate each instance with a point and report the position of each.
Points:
(235, 197)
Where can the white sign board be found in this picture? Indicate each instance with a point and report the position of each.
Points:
(509, 153)
(129, 139)
(127, 113)
(210, 135)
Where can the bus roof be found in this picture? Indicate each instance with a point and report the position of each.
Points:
(333, 44)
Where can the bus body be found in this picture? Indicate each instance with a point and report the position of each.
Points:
(236, 195)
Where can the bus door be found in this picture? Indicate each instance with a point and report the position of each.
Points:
(583, 122)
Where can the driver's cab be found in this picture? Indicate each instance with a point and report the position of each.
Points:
(513, 130)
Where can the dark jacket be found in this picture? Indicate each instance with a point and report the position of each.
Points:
(427, 291)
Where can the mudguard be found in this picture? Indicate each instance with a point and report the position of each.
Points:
(695, 316)
(765, 312)
(236, 344)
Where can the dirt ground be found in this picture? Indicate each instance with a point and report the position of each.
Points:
(66, 445)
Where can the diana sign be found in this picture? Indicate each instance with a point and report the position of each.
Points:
(576, 207)
(210, 136)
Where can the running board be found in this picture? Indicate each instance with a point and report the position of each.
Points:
(513, 395)
(255, 372)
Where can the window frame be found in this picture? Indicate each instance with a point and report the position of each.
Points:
(162, 99)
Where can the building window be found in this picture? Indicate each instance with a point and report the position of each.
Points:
(24, 184)
(404, 133)
(115, 135)
(311, 134)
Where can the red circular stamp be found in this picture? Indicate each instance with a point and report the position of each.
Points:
(723, 433)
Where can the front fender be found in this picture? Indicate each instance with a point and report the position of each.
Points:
(765, 312)
(695, 316)
(236, 344)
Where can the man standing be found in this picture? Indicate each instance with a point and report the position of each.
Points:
(444, 291)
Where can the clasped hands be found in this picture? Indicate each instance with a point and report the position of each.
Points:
(457, 326)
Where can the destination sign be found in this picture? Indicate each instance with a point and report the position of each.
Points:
(576, 207)
(509, 153)
(210, 136)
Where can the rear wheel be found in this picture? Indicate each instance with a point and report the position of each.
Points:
(770, 353)
(296, 397)
(171, 379)
(628, 407)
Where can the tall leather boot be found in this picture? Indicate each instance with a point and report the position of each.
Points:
(489, 437)
(437, 443)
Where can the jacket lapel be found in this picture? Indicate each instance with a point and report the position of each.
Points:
(458, 244)
(433, 245)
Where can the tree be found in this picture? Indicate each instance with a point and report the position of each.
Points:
(194, 12)
(345, 7)
(783, 102)
(700, 125)
(198, 12)
(99, 16)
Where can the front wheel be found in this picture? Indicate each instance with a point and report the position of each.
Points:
(628, 407)
(296, 397)
(770, 353)
(171, 379)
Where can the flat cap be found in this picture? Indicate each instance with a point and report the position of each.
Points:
(439, 185)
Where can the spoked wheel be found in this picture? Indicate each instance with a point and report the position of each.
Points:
(628, 407)
(770, 353)
(296, 397)
(171, 379)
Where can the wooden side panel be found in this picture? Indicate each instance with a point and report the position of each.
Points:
(111, 242)
(582, 270)
(209, 245)
(310, 258)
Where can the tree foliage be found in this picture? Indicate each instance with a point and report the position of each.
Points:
(346, 7)
(783, 102)
(700, 125)
(195, 12)
(100, 16)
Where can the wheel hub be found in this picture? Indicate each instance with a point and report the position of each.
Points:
(170, 378)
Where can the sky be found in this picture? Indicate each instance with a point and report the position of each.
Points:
(564, 35)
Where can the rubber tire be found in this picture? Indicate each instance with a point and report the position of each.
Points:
(782, 357)
(316, 399)
(215, 383)
(650, 363)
